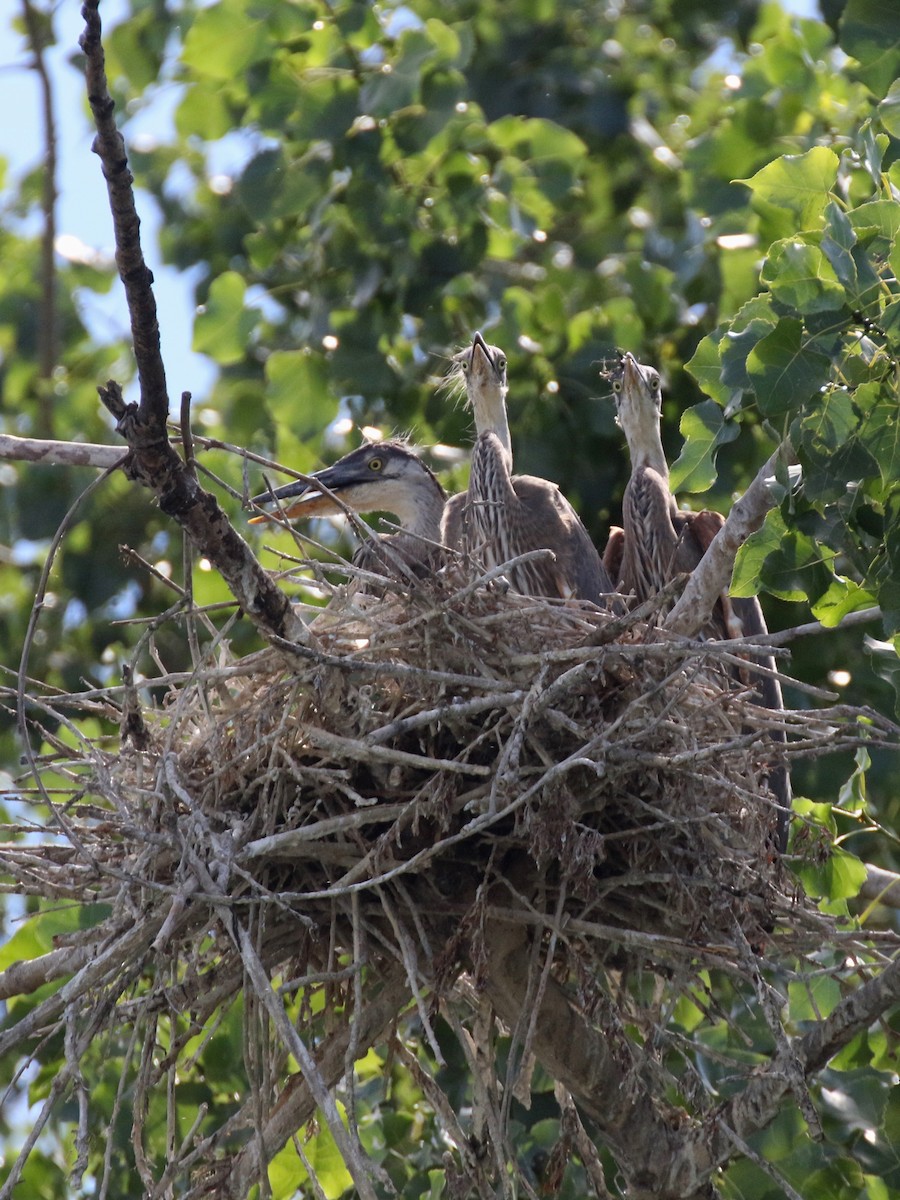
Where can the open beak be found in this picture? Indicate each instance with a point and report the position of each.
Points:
(481, 364)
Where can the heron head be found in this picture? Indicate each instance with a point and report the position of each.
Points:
(483, 370)
(636, 389)
(376, 477)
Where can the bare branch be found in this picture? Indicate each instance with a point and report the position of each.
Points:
(153, 462)
(60, 454)
(48, 320)
(133, 270)
(881, 887)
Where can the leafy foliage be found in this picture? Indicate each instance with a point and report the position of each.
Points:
(717, 193)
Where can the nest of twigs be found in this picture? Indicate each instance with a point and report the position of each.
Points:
(435, 754)
(434, 736)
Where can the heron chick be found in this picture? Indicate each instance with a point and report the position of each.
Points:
(502, 515)
(382, 477)
(658, 541)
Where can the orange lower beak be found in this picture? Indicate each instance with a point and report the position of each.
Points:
(314, 504)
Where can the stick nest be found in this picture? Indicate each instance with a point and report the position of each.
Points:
(430, 742)
(436, 762)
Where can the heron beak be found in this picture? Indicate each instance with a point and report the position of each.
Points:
(630, 373)
(485, 364)
(479, 341)
(311, 502)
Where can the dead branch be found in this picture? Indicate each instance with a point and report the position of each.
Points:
(60, 454)
(152, 461)
(713, 575)
(48, 319)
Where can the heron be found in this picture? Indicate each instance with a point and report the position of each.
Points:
(502, 515)
(659, 541)
(385, 477)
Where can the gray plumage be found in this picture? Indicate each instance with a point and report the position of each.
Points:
(385, 477)
(503, 515)
(658, 541)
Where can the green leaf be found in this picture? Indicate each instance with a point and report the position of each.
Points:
(799, 184)
(883, 216)
(396, 85)
(785, 369)
(204, 112)
(753, 554)
(889, 109)
(801, 277)
(750, 325)
(287, 1173)
(869, 31)
(880, 431)
(839, 878)
(224, 40)
(297, 391)
(842, 597)
(704, 429)
(814, 998)
(852, 795)
(706, 368)
(535, 139)
(788, 563)
(891, 1119)
(837, 243)
(223, 325)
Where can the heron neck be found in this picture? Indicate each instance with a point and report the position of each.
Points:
(419, 513)
(646, 449)
(494, 420)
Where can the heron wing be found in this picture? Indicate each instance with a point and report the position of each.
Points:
(615, 549)
(452, 521)
(548, 520)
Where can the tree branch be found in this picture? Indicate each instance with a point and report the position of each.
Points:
(297, 1104)
(136, 276)
(713, 574)
(152, 461)
(60, 454)
(48, 323)
(660, 1151)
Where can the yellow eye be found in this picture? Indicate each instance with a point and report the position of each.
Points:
(617, 385)
(375, 464)
(501, 363)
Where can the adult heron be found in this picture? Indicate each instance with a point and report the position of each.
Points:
(502, 515)
(658, 541)
(384, 477)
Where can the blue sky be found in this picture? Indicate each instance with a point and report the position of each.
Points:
(83, 211)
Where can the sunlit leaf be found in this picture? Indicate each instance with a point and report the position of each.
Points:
(223, 326)
(704, 429)
(800, 184)
(889, 109)
(801, 277)
(842, 597)
(224, 40)
(839, 878)
(287, 1172)
(880, 215)
(706, 368)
